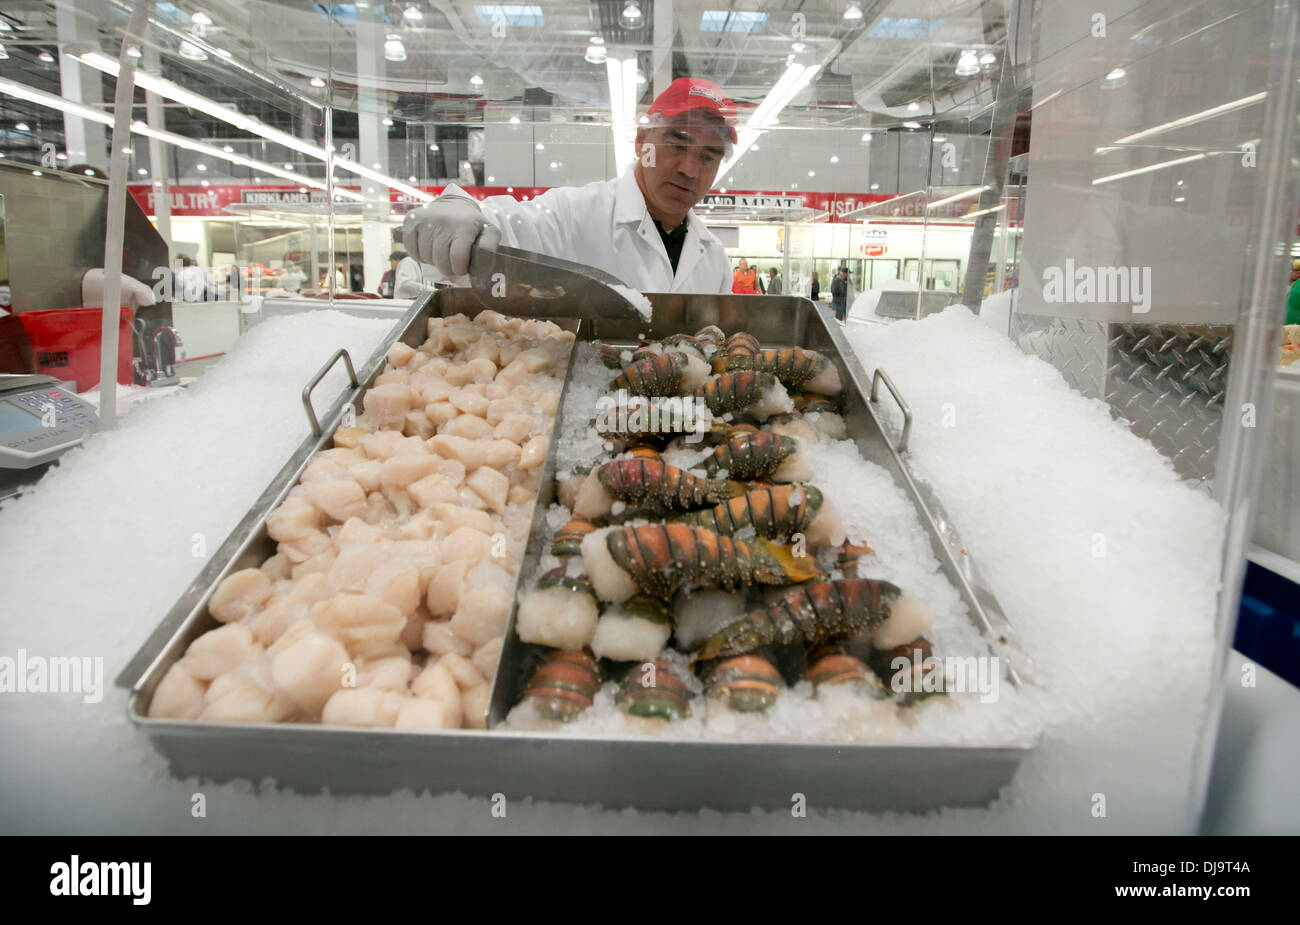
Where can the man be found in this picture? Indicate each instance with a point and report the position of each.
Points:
(840, 294)
(743, 281)
(386, 282)
(773, 282)
(638, 227)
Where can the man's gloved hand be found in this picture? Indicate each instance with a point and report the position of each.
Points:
(443, 232)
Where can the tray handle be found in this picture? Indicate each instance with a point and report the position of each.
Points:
(315, 381)
(881, 376)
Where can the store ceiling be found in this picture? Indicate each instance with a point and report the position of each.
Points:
(893, 64)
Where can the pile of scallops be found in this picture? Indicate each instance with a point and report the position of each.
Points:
(386, 600)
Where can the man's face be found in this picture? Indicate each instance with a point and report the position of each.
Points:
(680, 168)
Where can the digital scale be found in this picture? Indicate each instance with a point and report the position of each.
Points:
(40, 420)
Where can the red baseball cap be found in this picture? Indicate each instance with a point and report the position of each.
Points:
(687, 93)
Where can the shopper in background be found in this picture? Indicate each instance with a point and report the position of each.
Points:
(774, 285)
(744, 281)
(840, 294)
(815, 290)
(638, 227)
(191, 280)
(388, 280)
(340, 281)
(759, 281)
(292, 278)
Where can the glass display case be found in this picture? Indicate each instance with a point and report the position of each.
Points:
(270, 153)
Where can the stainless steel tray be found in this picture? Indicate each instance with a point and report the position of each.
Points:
(648, 773)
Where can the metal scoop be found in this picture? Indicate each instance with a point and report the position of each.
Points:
(525, 284)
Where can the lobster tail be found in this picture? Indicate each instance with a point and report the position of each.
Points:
(746, 684)
(568, 541)
(814, 614)
(563, 685)
(655, 375)
(734, 391)
(651, 484)
(655, 690)
(751, 456)
(660, 558)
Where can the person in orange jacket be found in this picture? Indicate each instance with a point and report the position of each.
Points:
(745, 279)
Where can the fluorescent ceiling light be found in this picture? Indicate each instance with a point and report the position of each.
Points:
(1047, 99)
(631, 18)
(201, 19)
(958, 197)
(413, 13)
(1002, 205)
(1148, 169)
(193, 52)
(1195, 117)
(968, 64)
(361, 171)
(854, 12)
(796, 77)
(190, 144)
(394, 50)
(622, 109)
(248, 124)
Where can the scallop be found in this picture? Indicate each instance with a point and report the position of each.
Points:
(220, 650)
(386, 405)
(239, 595)
(362, 706)
(358, 619)
(179, 695)
(309, 670)
(296, 517)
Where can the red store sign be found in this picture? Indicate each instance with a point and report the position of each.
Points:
(190, 201)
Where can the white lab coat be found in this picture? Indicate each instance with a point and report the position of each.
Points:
(413, 278)
(606, 225)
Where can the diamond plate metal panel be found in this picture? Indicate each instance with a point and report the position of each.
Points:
(1165, 381)
(1168, 381)
(1075, 346)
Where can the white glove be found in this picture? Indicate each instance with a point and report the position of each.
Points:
(443, 232)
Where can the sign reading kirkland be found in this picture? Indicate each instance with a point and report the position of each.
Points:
(281, 197)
